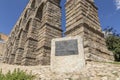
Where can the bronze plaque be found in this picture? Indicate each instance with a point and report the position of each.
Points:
(66, 47)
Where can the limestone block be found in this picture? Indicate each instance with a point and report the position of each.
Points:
(64, 58)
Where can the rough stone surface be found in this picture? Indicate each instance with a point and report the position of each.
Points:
(3, 39)
(1, 48)
(30, 40)
(64, 61)
(92, 71)
(82, 19)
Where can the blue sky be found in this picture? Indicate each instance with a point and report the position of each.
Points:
(109, 13)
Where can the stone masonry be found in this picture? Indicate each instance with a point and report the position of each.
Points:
(82, 19)
(3, 39)
(30, 40)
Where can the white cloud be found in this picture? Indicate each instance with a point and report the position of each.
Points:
(117, 2)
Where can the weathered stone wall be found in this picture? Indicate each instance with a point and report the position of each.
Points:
(30, 40)
(3, 39)
(1, 48)
(92, 71)
(82, 19)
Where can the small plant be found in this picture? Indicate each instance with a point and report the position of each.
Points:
(17, 74)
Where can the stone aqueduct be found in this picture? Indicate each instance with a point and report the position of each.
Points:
(30, 40)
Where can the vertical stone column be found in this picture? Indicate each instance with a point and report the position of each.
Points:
(10, 57)
(29, 55)
(20, 49)
(15, 46)
(82, 19)
(49, 28)
(5, 56)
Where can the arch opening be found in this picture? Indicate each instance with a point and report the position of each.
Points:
(40, 12)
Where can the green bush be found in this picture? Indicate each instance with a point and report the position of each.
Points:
(113, 42)
(17, 74)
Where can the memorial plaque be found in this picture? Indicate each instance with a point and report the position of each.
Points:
(67, 55)
(66, 47)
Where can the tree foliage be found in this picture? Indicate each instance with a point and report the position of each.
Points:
(113, 42)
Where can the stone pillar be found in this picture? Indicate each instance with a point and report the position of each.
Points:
(82, 19)
(12, 55)
(29, 55)
(20, 49)
(49, 28)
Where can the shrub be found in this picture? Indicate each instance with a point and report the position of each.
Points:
(113, 42)
(17, 74)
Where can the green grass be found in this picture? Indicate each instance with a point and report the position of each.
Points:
(17, 74)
